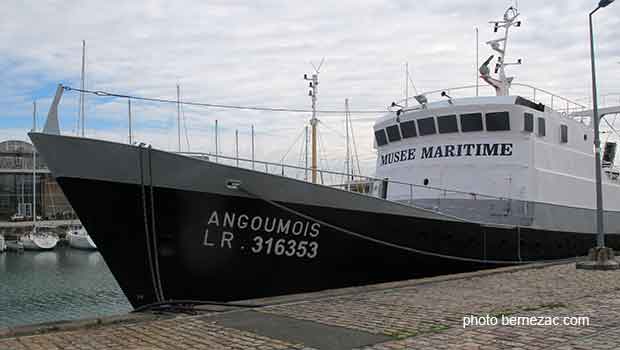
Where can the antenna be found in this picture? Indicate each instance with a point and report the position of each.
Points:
(501, 85)
(317, 69)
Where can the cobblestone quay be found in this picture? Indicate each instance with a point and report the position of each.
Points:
(416, 314)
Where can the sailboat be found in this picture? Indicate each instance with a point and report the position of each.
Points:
(2, 243)
(76, 234)
(78, 238)
(37, 239)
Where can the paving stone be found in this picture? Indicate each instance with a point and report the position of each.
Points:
(428, 316)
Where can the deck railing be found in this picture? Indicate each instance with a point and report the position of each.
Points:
(368, 185)
(554, 101)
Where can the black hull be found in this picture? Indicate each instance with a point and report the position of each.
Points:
(224, 268)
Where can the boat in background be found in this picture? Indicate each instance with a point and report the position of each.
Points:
(79, 238)
(39, 241)
(44, 239)
(2, 244)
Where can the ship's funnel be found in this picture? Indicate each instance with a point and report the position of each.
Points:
(51, 124)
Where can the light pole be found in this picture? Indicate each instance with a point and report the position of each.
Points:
(599, 257)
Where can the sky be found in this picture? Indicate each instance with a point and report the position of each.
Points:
(255, 53)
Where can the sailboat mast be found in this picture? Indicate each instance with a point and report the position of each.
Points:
(252, 146)
(179, 116)
(346, 121)
(83, 86)
(306, 156)
(34, 167)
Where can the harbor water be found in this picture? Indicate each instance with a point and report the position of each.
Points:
(63, 284)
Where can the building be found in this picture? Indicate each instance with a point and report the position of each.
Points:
(16, 185)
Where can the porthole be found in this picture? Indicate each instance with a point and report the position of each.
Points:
(585, 137)
(426, 182)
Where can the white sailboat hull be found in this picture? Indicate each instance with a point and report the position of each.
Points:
(81, 240)
(39, 241)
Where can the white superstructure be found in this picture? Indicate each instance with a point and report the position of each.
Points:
(508, 158)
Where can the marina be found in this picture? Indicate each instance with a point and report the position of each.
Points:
(55, 285)
(349, 211)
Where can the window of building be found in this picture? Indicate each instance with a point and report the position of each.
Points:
(528, 122)
(471, 122)
(408, 129)
(427, 126)
(381, 137)
(541, 127)
(498, 121)
(393, 133)
(564, 133)
(447, 124)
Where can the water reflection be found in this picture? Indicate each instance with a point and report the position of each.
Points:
(56, 285)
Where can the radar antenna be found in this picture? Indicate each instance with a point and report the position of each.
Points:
(501, 85)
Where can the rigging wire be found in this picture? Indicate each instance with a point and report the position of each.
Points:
(215, 105)
(291, 147)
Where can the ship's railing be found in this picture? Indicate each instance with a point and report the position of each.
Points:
(556, 102)
(404, 192)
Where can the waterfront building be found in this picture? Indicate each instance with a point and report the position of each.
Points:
(16, 185)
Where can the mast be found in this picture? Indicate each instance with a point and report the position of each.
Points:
(501, 85)
(477, 64)
(82, 87)
(406, 84)
(314, 84)
(252, 146)
(237, 146)
(346, 121)
(129, 112)
(34, 171)
(306, 152)
(216, 149)
(179, 116)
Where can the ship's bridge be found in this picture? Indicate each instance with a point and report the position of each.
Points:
(486, 145)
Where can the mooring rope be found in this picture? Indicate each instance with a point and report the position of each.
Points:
(401, 247)
(146, 227)
(153, 230)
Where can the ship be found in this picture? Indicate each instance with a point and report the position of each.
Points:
(461, 184)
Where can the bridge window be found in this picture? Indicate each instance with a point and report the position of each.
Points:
(541, 127)
(447, 124)
(393, 133)
(528, 122)
(471, 122)
(427, 126)
(408, 129)
(564, 133)
(381, 137)
(498, 121)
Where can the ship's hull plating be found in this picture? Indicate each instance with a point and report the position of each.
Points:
(219, 243)
(213, 247)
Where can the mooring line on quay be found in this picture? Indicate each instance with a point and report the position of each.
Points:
(401, 247)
